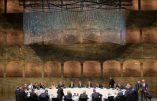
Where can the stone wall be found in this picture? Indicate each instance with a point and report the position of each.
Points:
(76, 69)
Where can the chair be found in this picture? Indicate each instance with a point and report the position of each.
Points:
(55, 99)
(111, 98)
(83, 99)
(97, 99)
(67, 99)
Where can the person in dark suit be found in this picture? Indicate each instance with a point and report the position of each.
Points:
(36, 86)
(42, 86)
(96, 96)
(71, 85)
(83, 95)
(89, 84)
(128, 92)
(17, 94)
(68, 97)
(111, 82)
(136, 89)
(44, 96)
(99, 85)
(80, 85)
(60, 93)
(60, 85)
(144, 88)
(22, 94)
(33, 96)
(148, 96)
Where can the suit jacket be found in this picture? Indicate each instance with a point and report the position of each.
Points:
(71, 86)
(89, 85)
(96, 95)
(129, 91)
(111, 83)
(60, 93)
(60, 85)
(80, 86)
(33, 97)
(68, 96)
(100, 86)
(83, 95)
(144, 87)
(137, 87)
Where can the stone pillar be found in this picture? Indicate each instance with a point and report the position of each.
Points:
(141, 39)
(61, 4)
(23, 70)
(42, 72)
(62, 70)
(121, 69)
(5, 65)
(139, 5)
(5, 6)
(141, 67)
(101, 66)
(120, 3)
(81, 69)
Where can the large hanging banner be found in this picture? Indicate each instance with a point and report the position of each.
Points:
(67, 27)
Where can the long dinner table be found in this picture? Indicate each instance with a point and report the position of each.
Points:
(52, 92)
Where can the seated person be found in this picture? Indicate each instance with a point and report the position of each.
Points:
(44, 96)
(89, 84)
(22, 93)
(36, 86)
(41, 85)
(60, 93)
(68, 96)
(96, 96)
(80, 85)
(99, 85)
(33, 96)
(60, 85)
(148, 95)
(71, 85)
(129, 93)
(30, 86)
(84, 95)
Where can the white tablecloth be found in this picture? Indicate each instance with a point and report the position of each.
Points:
(105, 92)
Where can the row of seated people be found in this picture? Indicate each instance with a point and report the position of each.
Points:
(126, 93)
(72, 85)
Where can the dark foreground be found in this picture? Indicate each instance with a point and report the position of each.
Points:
(154, 99)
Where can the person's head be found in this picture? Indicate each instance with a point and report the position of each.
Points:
(110, 77)
(68, 92)
(25, 85)
(89, 81)
(128, 85)
(20, 87)
(94, 90)
(46, 91)
(79, 81)
(17, 87)
(138, 82)
(60, 82)
(143, 81)
(33, 91)
(84, 92)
